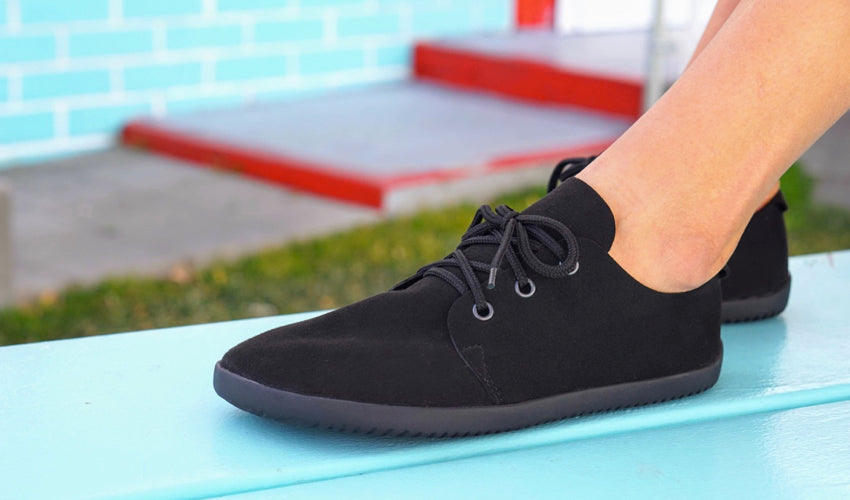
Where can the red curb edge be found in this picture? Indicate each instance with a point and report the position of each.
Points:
(315, 177)
(526, 79)
(305, 175)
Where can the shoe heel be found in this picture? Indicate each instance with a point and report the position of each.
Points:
(755, 308)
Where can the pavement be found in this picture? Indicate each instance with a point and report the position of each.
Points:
(123, 212)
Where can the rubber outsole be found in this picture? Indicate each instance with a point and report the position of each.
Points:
(756, 308)
(369, 418)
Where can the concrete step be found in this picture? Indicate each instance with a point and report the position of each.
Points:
(396, 147)
(406, 146)
(603, 72)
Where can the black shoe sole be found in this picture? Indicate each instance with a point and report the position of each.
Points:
(756, 308)
(371, 418)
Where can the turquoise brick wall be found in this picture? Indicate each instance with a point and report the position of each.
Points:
(154, 8)
(19, 127)
(163, 76)
(64, 83)
(26, 49)
(97, 119)
(289, 31)
(252, 68)
(207, 36)
(53, 11)
(370, 24)
(112, 42)
(327, 61)
(73, 71)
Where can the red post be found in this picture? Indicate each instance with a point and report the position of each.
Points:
(535, 13)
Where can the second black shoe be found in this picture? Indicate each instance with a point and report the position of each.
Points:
(529, 320)
(755, 282)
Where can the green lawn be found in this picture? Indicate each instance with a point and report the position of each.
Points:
(318, 274)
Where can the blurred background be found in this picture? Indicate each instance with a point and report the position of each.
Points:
(165, 162)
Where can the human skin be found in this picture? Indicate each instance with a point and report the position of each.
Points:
(722, 10)
(768, 79)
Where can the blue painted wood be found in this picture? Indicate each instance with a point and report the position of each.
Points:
(796, 453)
(134, 415)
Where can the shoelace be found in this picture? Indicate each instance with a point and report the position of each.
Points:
(518, 237)
(567, 168)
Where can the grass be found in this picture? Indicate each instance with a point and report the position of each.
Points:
(319, 274)
(812, 227)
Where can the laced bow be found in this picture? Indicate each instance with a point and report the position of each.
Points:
(567, 168)
(518, 237)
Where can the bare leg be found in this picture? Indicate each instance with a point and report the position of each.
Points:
(774, 77)
(722, 10)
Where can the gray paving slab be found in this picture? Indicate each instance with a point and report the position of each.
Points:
(120, 212)
(404, 128)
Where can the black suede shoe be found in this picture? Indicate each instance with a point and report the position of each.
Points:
(528, 321)
(755, 281)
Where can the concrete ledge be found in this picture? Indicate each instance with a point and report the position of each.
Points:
(416, 136)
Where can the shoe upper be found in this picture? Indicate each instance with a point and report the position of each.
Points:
(759, 265)
(392, 347)
(428, 343)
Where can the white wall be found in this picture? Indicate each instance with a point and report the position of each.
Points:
(685, 20)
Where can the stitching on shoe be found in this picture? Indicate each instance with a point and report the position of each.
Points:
(484, 377)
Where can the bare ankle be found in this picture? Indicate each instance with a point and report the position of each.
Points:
(668, 261)
(667, 241)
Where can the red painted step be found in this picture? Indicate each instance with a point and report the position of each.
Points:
(603, 72)
(421, 144)
(399, 147)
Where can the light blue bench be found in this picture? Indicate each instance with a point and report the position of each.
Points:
(134, 416)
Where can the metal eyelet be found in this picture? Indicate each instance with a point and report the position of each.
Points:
(526, 294)
(479, 316)
(574, 270)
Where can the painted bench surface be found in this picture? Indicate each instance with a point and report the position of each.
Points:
(134, 416)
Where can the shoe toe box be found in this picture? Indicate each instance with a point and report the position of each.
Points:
(392, 349)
